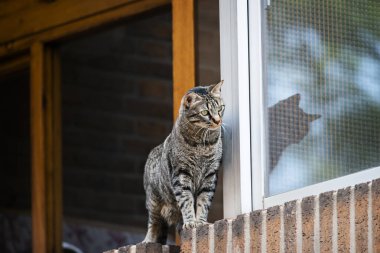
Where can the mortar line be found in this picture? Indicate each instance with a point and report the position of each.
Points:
(229, 236)
(317, 245)
(194, 240)
(282, 230)
(264, 232)
(335, 224)
(352, 220)
(211, 238)
(370, 225)
(299, 225)
(247, 236)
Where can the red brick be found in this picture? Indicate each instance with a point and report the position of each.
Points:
(186, 241)
(170, 249)
(325, 220)
(256, 220)
(153, 49)
(154, 109)
(220, 236)
(148, 248)
(137, 146)
(149, 29)
(159, 89)
(103, 123)
(209, 38)
(203, 239)
(111, 251)
(101, 81)
(209, 76)
(308, 209)
(152, 129)
(238, 234)
(273, 229)
(361, 217)
(208, 55)
(376, 214)
(290, 226)
(343, 215)
(125, 249)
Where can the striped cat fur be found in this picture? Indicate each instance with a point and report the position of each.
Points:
(181, 173)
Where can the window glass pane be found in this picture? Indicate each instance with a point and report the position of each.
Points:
(323, 90)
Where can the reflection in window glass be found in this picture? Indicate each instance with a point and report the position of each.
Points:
(323, 90)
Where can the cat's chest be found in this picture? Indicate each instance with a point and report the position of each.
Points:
(205, 159)
(197, 158)
(205, 153)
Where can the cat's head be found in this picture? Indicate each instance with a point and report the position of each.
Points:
(290, 122)
(203, 106)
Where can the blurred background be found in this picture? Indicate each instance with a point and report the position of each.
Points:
(116, 102)
(116, 99)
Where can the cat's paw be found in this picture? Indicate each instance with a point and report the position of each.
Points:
(189, 225)
(201, 223)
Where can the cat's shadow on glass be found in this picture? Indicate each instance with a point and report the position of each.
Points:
(287, 124)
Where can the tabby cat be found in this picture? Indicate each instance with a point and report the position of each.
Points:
(181, 173)
(288, 124)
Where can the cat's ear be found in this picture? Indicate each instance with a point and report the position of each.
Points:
(312, 117)
(190, 99)
(216, 89)
(295, 99)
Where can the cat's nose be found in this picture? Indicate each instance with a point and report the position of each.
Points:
(216, 120)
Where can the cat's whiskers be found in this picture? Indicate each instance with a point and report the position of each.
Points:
(186, 123)
(224, 129)
(201, 128)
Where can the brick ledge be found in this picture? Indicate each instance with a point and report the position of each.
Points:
(146, 248)
(345, 219)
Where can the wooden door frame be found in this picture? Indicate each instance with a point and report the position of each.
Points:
(183, 50)
(76, 24)
(46, 137)
(46, 162)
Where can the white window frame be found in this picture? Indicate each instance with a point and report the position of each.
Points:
(242, 68)
(237, 193)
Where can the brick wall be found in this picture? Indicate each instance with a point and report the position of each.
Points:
(346, 220)
(207, 41)
(117, 106)
(338, 221)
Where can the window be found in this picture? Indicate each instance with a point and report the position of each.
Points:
(305, 75)
(326, 52)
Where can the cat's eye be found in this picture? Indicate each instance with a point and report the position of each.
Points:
(204, 113)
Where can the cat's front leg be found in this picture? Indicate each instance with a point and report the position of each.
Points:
(182, 187)
(204, 198)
